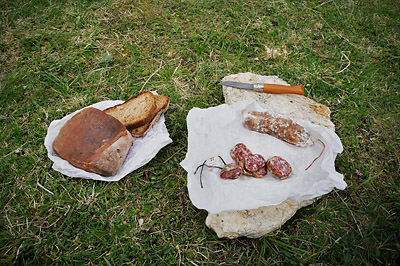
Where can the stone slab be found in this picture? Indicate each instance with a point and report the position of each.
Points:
(265, 220)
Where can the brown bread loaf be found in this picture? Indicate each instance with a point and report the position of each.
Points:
(93, 141)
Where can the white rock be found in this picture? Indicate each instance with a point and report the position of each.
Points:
(264, 220)
(296, 107)
(253, 223)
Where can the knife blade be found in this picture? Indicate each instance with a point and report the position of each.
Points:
(267, 88)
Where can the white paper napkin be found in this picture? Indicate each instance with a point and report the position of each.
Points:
(141, 152)
(215, 131)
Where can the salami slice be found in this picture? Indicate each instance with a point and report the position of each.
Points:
(231, 171)
(247, 172)
(279, 167)
(253, 162)
(261, 172)
(258, 174)
(238, 152)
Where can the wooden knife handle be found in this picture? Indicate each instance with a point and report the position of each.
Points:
(274, 88)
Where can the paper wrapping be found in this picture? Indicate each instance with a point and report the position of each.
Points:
(215, 131)
(141, 152)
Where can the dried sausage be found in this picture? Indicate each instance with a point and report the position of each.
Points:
(277, 126)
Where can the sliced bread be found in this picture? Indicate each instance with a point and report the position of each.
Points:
(93, 141)
(136, 111)
(162, 103)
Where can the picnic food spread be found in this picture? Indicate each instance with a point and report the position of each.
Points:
(247, 122)
(98, 141)
(239, 204)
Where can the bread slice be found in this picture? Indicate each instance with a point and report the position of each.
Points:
(162, 103)
(93, 141)
(136, 111)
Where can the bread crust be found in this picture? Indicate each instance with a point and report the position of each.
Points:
(162, 104)
(108, 162)
(93, 141)
(136, 111)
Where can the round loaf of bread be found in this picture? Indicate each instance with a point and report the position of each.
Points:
(93, 141)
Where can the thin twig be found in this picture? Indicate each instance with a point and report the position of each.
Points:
(324, 3)
(245, 29)
(327, 82)
(41, 186)
(161, 66)
(352, 215)
(173, 155)
(11, 226)
(17, 150)
(176, 69)
(333, 30)
(349, 63)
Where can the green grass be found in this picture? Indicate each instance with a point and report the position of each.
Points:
(59, 56)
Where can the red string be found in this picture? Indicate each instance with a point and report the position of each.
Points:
(323, 144)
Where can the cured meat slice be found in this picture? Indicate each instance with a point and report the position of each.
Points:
(258, 174)
(279, 167)
(238, 152)
(253, 162)
(247, 172)
(231, 171)
(277, 126)
(261, 172)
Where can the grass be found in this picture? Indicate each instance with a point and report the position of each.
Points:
(59, 56)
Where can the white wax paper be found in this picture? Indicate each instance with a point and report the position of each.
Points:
(216, 130)
(141, 152)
